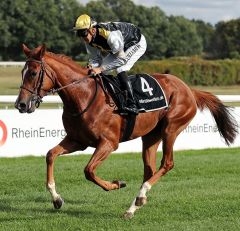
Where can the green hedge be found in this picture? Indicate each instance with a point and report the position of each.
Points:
(195, 71)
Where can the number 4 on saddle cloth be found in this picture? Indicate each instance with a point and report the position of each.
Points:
(148, 94)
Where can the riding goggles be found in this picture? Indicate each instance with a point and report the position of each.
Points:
(82, 33)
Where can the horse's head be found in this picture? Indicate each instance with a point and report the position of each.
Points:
(36, 80)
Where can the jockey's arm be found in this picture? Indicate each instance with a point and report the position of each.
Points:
(95, 56)
(117, 60)
(114, 61)
(118, 57)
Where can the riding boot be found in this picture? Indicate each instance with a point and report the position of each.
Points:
(131, 106)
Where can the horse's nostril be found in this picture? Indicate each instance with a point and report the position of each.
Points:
(22, 105)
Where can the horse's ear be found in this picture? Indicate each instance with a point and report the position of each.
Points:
(26, 50)
(41, 51)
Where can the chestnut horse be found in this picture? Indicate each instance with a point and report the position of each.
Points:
(90, 120)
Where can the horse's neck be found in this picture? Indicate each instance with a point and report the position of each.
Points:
(72, 95)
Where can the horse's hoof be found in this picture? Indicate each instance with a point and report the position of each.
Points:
(121, 184)
(128, 215)
(58, 203)
(140, 201)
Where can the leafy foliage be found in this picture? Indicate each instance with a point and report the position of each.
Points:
(225, 42)
(34, 23)
(195, 71)
(205, 32)
(49, 22)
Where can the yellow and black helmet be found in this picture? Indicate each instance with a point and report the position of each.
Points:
(83, 22)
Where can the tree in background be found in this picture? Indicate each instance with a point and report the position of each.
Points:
(205, 32)
(226, 40)
(183, 39)
(36, 22)
(151, 21)
(166, 37)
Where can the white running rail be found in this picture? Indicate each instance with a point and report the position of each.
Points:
(57, 99)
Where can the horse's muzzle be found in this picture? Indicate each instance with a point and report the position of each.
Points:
(25, 106)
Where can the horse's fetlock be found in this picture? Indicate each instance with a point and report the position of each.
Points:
(140, 201)
(50, 186)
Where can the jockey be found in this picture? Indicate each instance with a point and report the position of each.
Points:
(123, 45)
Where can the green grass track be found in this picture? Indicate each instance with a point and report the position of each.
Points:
(201, 193)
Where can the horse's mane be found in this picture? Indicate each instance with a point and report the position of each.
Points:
(64, 59)
(62, 56)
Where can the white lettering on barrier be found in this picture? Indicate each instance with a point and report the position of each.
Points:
(36, 133)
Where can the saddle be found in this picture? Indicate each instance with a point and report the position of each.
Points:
(148, 93)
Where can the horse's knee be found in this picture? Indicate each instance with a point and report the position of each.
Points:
(49, 157)
(88, 171)
(52, 154)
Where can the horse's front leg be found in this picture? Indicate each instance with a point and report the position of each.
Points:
(102, 151)
(64, 147)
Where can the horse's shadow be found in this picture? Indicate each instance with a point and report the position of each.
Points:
(8, 206)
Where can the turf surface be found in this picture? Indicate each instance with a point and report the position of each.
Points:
(200, 193)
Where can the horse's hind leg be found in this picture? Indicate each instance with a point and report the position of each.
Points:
(64, 147)
(174, 123)
(151, 142)
(166, 165)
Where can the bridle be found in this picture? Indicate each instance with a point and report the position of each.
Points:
(37, 98)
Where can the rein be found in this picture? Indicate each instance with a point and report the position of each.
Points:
(53, 91)
(35, 92)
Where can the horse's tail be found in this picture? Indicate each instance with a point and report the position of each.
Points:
(226, 123)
